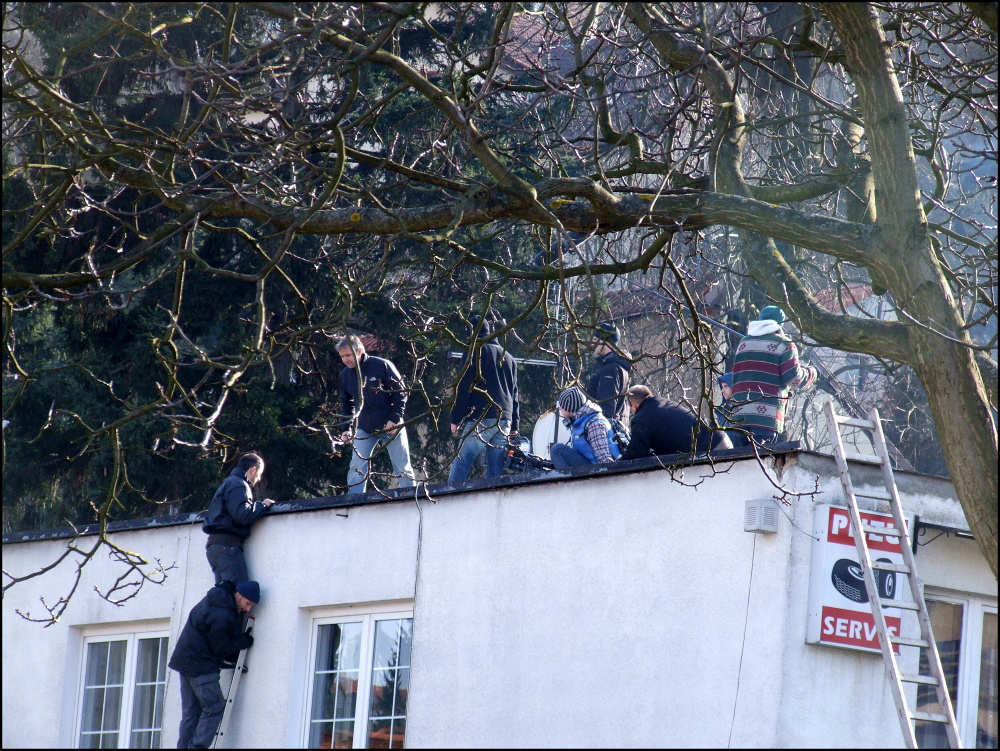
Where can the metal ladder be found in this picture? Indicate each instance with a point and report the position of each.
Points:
(886, 639)
(234, 685)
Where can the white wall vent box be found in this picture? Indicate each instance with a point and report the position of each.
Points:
(761, 515)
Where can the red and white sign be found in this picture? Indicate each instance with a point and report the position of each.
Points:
(840, 613)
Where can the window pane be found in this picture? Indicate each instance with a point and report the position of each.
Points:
(97, 663)
(335, 685)
(343, 734)
(147, 703)
(112, 707)
(93, 708)
(986, 717)
(946, 620)
(116, 663)
(390, 683)
(321, 735)
(90, 740)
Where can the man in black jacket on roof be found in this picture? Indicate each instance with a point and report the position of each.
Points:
(372, 397)
(610, 378)
(662, 428)
(486, 411)
(230, 515)
(212, 637)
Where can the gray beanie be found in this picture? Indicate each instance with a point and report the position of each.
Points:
(571, 399)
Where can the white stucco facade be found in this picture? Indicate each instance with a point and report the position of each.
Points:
(613, 610)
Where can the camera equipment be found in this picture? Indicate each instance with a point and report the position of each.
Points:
(519, 459)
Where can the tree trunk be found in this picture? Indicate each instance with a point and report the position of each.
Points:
(942, 356)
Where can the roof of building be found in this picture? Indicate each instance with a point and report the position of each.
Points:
(814, 461)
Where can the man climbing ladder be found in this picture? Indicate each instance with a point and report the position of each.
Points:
(211, 638)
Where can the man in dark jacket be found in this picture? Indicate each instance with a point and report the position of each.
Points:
(610, 378)
(230, 515)
(661, 428)
(212, 637)
(486, 411)
(375, 411)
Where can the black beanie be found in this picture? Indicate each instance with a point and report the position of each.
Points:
(608, 332)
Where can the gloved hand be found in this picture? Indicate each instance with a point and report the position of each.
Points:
(249, 637)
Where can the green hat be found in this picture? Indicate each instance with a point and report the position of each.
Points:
(772, 313)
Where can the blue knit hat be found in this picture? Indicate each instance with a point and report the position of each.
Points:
(772, 313)
(250, 590)
(726, 379)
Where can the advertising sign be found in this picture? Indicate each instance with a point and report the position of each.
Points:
(840, 614)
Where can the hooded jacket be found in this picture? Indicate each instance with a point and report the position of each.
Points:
(384, 393)
(608, 384)
(232, 509)
(488, 388)
(765, 370)
(212, 634)
(592, 436)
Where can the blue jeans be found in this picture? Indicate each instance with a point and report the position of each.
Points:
(227, 562)
(488, 437)
(365, 446)
(565, 456)
(202, 705)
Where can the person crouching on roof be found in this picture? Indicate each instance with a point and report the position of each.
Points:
(591, 436)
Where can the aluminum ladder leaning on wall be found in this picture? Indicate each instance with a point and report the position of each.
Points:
(234, 685)
(918, 605)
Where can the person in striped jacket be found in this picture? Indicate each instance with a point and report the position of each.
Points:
(765, 371)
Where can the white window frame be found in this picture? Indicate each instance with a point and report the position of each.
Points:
(131, 634)
(367, 615)
(970, 656)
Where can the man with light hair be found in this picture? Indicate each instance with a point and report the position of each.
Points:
(373, 398)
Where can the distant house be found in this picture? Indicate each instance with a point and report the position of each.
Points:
(609, 609)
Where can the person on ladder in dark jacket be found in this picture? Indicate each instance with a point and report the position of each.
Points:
(211, 639)
(610, 377)
(662, 428)
(230, 515)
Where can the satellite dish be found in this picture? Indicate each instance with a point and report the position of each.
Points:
(548, 429)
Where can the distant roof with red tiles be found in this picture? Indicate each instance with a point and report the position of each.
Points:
(836, 299)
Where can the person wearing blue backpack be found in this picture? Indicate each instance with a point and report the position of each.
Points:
(592, 439)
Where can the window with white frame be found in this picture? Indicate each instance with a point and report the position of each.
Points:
(359, 679)
(124, 678)
(965, 630)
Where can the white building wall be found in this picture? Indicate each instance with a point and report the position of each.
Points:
(618, 610)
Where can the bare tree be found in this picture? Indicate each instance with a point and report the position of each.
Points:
(396, 150)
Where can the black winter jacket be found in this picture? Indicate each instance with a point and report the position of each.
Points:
(384, 394)
(608, 384)
(212, 635)
(233, 508)
(661, 428)
(489, 390)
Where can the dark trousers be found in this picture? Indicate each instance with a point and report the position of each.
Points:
(565, 456)
(761, 436)
(227, 563)
(202, 705)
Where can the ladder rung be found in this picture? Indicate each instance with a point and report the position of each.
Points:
(928, 717)
(907, 641)
(929, 680)
(855, 422)
(863, 458)
(887, 531)
(873, 496)
(900, 604)
(899, 568)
